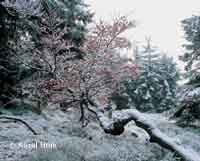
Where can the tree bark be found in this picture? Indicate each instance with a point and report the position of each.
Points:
(115, 126)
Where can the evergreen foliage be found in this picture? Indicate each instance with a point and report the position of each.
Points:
(29, 29)
(191, 56)
(11, 70)
(155, 88)
(189, 95)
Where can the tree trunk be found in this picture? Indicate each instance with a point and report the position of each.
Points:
(115, 126)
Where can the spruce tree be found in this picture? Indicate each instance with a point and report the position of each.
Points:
(154, 89)
(190, 93)
(23, 28)
(11, 71)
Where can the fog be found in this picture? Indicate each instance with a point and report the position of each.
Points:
(156, 18)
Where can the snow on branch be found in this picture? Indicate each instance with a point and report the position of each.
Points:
(21, 121)
(115, 126)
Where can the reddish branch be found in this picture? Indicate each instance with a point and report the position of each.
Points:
(100, 72)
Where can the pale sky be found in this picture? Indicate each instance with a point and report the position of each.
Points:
(159, 19)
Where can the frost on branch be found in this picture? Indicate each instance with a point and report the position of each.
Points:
(189, 98)
(108, 35)
(115, 126)
(99, 74)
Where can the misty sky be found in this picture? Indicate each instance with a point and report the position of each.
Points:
(159, 19)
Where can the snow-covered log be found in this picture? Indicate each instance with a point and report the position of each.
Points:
(115, 126)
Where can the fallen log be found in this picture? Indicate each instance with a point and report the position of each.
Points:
(115, 126)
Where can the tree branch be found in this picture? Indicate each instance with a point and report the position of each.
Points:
(20, 120)
(115, 126)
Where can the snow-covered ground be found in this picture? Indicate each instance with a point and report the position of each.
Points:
(74, 143)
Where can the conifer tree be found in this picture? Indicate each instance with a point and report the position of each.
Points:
(32, 27)
(154, 89)
(189, 97)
